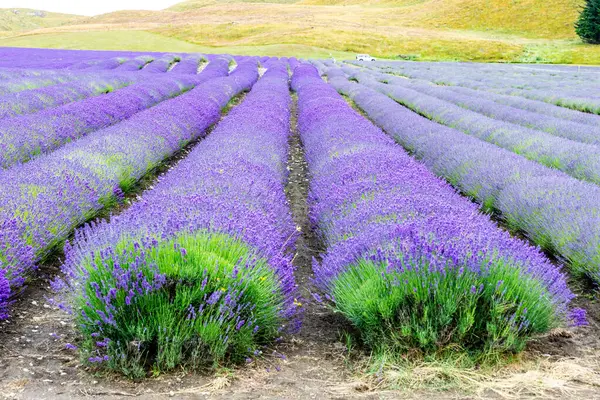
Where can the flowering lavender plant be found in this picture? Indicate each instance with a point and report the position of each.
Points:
(197, 272)
(557, 212)
(63, 189)
(188, 65)
(577, 159)
(134, 64)
(86, 85)
(161, 64)
(410, 262)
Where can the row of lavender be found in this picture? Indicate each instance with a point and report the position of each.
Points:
(31, 62)
(84, 86)
(199, 270)
(409, 261)
(16, 81)
(586, 130)
(20, 95)
(581, 160)
(52, 60)
(42, 201)
(572, 89)
(559, 213)
(28, 92)
(24, 137)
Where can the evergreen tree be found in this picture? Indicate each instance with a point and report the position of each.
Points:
(588, 25)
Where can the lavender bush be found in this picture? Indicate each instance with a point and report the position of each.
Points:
(99, 64)
(22, 138)
(135, 64)
(27, 83)
(577, 159)
(107, 64)
(557, 212)
(409, 262)
(188, 65)
(197, 272)
(59, 191)
(474, 101)
(161, 64)
(30, 101)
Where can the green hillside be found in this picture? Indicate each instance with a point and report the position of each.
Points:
(194, 4)
(553, 19)
(24, 19)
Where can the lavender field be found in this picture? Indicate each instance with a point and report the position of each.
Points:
(196, 213)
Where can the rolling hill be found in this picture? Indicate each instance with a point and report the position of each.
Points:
(23, 19)
(476, 30)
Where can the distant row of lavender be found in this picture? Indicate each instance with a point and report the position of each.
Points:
(54, 59)
(576, 159)
(99, 65)
(161, 64)
(513, 101)
(575, 90)
(51, 61)
(33, 82)
(224, 210)
(558, 212)
(25, 137)
(534, 106)
(134, 64)
(475, 101)
(57, 192)
(18, 73)
(409, 261)
(499, 76)
(87, 85)
(189, 64)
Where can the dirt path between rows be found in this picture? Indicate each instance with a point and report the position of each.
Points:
(313, 364)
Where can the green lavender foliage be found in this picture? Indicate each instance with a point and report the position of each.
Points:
(212, 300)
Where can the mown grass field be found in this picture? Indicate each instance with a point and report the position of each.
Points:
(149, 41)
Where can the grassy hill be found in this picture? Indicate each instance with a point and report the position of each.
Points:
(536, 18)
(194, 4)
(476, 30)
(23, 19)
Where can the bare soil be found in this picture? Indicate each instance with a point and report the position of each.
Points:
(313, 364)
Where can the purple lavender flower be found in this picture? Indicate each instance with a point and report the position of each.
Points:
(231, 185)
(61, 190)
(578, 317)
(556, 211)
(371, 201)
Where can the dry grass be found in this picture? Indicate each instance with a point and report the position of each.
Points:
(527, 377)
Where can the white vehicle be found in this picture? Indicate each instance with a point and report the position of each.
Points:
(364, 57)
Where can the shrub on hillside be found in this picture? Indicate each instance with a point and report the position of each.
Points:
(588, 25)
